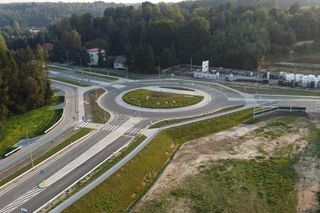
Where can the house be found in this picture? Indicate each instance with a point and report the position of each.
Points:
(47, 46)
(94, 55)
(120, 62)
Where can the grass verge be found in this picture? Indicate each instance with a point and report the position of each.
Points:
(56, 100)
(34, 122)
(177, 88)
(98, 114)
(127, 185)
(106, 77)
(68, 81)
(251, 89)
(79, 134)
(154, 99)
(175, 121)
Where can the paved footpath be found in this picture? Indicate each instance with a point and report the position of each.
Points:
(91, 152)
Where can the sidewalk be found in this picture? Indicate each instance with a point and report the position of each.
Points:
(90, 153)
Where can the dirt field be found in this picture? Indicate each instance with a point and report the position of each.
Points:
(259, 142)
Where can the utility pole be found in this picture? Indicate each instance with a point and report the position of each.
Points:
(67, 54)
(159, 68)
(29, 149)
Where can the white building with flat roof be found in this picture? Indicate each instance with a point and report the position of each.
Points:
(94, 55)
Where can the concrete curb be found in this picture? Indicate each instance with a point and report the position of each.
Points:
(105, 109)
(81, 178)
(207, 99)
(43, 162)
(125, 160)
(54, 125)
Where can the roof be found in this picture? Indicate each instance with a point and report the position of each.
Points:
(120, 59)
(95, 50)
(47, 46)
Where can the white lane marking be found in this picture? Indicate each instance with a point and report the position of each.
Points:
(134, 130)
(21, 200)
(114, 128)
(93, 150)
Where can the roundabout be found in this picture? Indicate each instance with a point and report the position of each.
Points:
(157, 99)
(145, 101)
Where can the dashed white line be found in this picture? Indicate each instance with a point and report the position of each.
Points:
(21, 200)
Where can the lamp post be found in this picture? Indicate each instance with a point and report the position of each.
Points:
(32, 164)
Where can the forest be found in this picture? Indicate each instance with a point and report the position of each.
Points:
(162, 35)
(23, 83)
(238, 34)
(22, 15)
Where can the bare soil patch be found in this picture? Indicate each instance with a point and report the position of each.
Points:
(259, 141)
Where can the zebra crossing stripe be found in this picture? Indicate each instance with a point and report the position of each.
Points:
(21, 200)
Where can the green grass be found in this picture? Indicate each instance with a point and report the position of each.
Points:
(56, 100)
(272, 90)
(177, 88)
(175, 121)
(98, 114)
(55, 90)
(106, 77)
(154, 99)
(79, 134)
(127, 185)
(68, 81)
(237, 186)
(34, 122)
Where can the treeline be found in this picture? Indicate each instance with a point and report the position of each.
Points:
(166, 34)
(17, 16)
(23, 83)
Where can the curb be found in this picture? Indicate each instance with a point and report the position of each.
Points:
(81, 178)
(41, 163)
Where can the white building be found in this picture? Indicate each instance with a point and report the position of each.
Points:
(94, 55)
(120, 62)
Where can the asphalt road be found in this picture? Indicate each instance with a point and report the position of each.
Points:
(66, 123)
(25, 194)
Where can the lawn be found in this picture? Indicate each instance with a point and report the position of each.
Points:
(34, 123)
(154, 99)
(56, 100)
(106, 77)
(251, 89)
(68, 81)
(79, 134)
(127, 185)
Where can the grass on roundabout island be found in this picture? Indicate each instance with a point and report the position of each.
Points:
(154, 99)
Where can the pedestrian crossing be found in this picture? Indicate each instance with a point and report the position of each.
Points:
(110, 127)
(21, 200)
(134, 130)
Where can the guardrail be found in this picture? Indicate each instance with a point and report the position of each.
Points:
(13, 151)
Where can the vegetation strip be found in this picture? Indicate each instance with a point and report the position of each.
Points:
(154, 99)
(31, 124)
(177, 88)
(79, 134)
(98, 114)
(128, 184)
(103, 168)
(91, 74)
(179, 120)
(68, 81)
